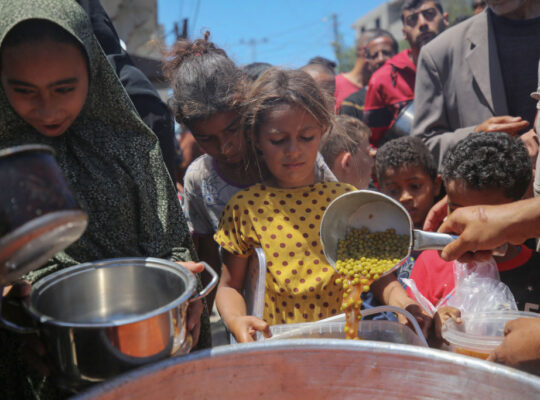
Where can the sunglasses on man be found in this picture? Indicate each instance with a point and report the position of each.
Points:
(429, 14)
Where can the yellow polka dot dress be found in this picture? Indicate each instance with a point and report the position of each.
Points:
(300, 284)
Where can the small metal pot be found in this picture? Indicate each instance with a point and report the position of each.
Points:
(38, 214)
(103, 318)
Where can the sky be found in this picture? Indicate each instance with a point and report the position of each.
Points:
(282, 32)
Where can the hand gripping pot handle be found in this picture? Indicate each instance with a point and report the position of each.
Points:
(210, 286)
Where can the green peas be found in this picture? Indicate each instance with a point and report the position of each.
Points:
(369, 254)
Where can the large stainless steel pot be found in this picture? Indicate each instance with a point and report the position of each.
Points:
(103, 318)
(320, 369)
(38, 215)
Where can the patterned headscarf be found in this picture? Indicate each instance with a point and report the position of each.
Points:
(110, 158)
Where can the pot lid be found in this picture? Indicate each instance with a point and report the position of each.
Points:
(32, 244)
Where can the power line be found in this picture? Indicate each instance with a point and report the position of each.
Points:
(253, 43)
(288, 31)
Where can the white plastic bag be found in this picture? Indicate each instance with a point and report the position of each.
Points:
(477, 289)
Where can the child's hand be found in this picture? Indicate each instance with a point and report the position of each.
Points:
(442, 315)
(245, 328)
(423, 319)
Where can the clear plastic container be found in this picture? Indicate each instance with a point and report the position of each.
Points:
(334, 328)
(480, 333)
(382, 331)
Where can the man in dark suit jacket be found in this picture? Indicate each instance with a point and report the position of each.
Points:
(477, 75)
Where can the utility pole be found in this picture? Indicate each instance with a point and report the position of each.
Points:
(252, 43)
(336, 44)
(184, 33)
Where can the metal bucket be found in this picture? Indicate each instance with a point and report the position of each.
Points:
(100, 319)
(320, 369)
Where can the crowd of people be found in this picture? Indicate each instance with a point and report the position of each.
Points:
(267, 149)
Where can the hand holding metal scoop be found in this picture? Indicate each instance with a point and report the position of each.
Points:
(377, 212)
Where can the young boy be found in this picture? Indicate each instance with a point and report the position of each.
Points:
(407, 172)
(345, 149)
(484, 168)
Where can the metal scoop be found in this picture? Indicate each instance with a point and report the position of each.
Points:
(377, 212)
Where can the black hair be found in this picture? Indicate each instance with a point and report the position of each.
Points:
(319, 67)
(205, 81)
(37, 31)
(377, 33)
(414, 4)
(404, 151)
(255, 69)
(331, 65)
(489, 161)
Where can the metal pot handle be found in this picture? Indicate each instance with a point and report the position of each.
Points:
(13, 327)
(210, 286)
(402, 311)
(424, 240)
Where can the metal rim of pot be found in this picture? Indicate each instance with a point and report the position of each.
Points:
(236, 351)
(26, 147)
(177, 269)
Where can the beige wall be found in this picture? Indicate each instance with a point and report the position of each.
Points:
(137, 25)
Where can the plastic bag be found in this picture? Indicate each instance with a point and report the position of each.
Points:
(477, 289)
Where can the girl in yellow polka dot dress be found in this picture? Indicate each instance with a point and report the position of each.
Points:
(285, 120)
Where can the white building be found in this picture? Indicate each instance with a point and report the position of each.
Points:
(388, 16)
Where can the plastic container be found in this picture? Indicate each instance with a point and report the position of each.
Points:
(380, 331)
(334, 328)
(480, 333)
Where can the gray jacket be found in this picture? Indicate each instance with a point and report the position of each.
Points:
(459, 84)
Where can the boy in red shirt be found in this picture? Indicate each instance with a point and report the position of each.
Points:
(484, 168)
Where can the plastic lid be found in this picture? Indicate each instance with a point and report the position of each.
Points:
(481, 331)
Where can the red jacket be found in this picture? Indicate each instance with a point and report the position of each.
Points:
(390, 89)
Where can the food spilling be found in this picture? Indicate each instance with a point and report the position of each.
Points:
(362, 258)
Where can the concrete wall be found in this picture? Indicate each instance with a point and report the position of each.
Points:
(137, 25)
